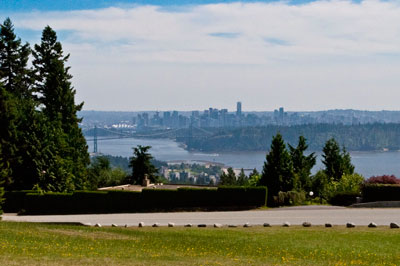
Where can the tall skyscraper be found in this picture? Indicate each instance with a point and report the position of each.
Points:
(239, 109)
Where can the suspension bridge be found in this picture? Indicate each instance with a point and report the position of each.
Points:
(185, 135)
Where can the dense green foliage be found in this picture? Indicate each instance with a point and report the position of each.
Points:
(131, 201)
(336, 183)
(254, 178)
(290, 198)
(21, 130)
(326, 188)
(102, 174)
(337, 163)
(57, 96)
(142, 166)
(277, 172)
(42, 146)
(242, 179)
(365, 137)
(15, 200)
(287, 174)
(228, 178)
(302, 164)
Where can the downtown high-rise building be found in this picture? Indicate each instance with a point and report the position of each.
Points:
(239, 109)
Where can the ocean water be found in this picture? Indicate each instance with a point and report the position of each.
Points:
(366, 163)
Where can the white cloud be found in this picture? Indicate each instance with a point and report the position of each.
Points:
(324, 54)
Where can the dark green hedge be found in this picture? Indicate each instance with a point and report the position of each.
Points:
(344, 199)
(380, 192)
(243, 196)
(129, 201)
(14, 200)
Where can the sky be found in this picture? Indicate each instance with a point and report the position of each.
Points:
(192, 55)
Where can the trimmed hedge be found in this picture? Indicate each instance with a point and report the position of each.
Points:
(380, 192)
(242, 196)
(344, 198)
(14, 200)
(45, 203)
(131, 201)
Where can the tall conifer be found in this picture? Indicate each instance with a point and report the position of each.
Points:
(302, 164)
(19, 133)
(337, 163)
(14, 56)
(277, 172)
(57, 96)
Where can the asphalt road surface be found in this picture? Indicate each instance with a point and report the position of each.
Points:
(317, 215)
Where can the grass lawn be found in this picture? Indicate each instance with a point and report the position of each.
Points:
(43, 244)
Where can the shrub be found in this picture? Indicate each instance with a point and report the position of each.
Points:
(48, 203)
(14, 201)
(380, 192)
(290, 198)
(344, 198)
(349, 184)
(130, 201)
(327, 188)
(124, 201)
(101, 174)
(194, 197)
(242, 196)
(320, 183)
(91, 201)
(383, 179)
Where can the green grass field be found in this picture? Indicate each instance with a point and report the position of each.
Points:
(43, 244)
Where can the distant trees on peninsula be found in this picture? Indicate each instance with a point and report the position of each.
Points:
(41, 144)
(364, 137)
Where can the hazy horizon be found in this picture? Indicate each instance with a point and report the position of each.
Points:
(234, 110)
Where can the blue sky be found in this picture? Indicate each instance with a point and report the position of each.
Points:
(46, 5)
(183, 55)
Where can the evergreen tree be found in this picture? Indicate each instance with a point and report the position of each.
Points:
(302, 164)
(102, 174)
(68, 166)
(141, 165)
(347, 166)
(337, 163)
(229, 178)
(15, 102)
(3, 169)
(14, 56)
(277, 172)
(254, 178)
(8, 134)
(21, 131)
(242, 179)
(2, 178)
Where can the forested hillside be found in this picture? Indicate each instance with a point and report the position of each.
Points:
(366, 137)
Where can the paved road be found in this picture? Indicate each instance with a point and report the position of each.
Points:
(317, 215)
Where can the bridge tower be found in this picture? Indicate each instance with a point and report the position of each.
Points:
(95, 139)
(190, 136)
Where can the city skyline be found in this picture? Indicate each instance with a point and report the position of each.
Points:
(185, 55)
